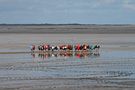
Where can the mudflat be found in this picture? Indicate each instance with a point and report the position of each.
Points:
(68, 29)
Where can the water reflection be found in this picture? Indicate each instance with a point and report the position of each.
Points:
(80, 55)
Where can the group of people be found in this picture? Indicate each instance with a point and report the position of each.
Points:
(65, 47)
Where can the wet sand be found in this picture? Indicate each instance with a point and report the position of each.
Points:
(112, 69)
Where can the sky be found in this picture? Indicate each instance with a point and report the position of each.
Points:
(67, 11)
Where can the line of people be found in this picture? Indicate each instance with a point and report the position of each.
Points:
(78, 47)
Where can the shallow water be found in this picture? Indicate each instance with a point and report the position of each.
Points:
(115, 64)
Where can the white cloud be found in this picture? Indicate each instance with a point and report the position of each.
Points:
(98, 3)
(129, 4)
(108, 1)
(5, 1)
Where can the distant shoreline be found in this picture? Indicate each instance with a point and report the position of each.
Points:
(67, 24)
(68, 28)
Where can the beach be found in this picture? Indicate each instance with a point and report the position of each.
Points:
(112, 69)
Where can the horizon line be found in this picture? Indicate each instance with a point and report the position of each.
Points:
(58, 24)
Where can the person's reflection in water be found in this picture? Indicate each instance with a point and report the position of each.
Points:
(80, 55)
(54, 55)
(86, 54)
(66, 54)
(33, 55)
(44, 55)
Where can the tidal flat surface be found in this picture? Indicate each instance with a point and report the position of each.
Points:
(112, 68)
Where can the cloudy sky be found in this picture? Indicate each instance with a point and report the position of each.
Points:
(67, 11)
